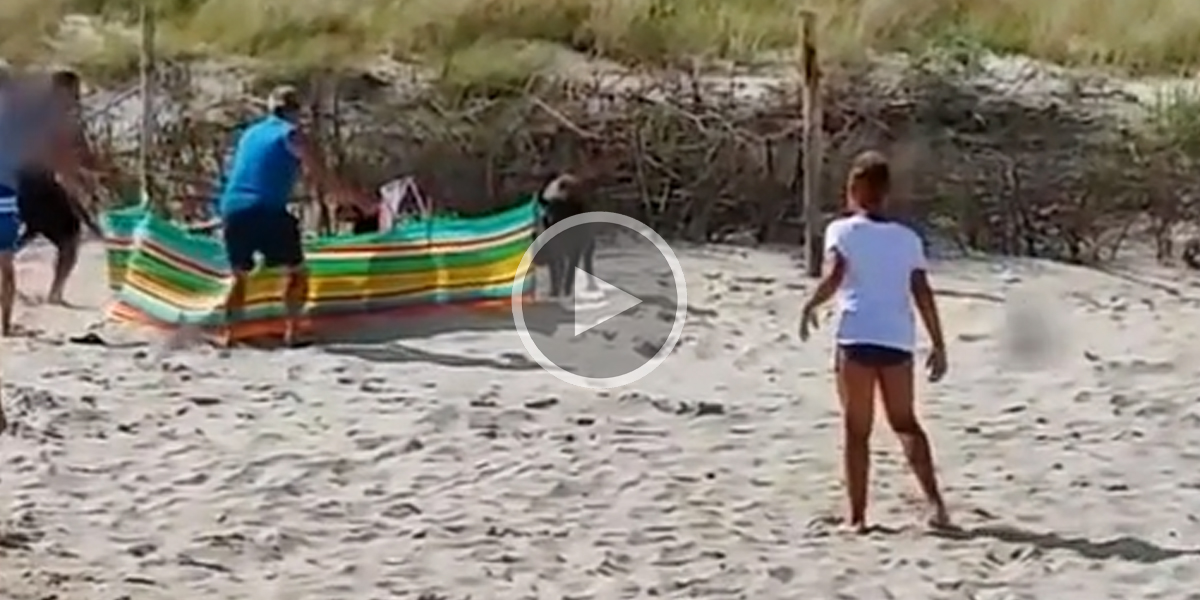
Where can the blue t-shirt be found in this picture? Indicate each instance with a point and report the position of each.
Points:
(264, 168)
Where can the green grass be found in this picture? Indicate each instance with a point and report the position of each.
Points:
(1141, 35)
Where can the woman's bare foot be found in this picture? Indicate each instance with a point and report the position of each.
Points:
(939, 517)
(856, 528)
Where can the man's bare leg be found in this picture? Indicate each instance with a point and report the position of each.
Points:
(64, 264)
(294, 297)
(8, 293)
(235, 302)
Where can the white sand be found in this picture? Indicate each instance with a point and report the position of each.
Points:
(422, 469)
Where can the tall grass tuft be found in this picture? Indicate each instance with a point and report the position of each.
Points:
(1141, 35)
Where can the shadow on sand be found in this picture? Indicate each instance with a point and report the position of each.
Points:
(1125, 548)
(381, 339)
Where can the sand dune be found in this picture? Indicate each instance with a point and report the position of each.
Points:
(446, 466)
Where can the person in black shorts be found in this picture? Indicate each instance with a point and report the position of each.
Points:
(46, 207)
(48, 210)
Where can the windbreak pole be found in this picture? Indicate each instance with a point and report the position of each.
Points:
(146, 132)
(812, 143)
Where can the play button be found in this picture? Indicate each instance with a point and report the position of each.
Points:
(612, 302)
(605, 322)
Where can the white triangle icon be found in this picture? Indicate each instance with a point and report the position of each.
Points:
(612, 301)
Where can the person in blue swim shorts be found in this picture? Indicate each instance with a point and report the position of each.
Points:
(10, 236)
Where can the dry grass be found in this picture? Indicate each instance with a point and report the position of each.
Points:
(1144, 35)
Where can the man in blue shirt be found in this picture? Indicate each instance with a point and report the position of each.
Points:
(267, 162)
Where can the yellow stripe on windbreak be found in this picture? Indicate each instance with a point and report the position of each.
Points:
(269, 287)
(172, 297)
(383, 285)
(175, 299)
(258, 290)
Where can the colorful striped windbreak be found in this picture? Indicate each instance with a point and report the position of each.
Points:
(164, 275)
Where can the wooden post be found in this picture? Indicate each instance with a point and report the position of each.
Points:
(148, 123)
(812, 143)
(317, 209)
(329, 216)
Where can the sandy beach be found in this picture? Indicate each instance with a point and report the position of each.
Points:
(446, 466)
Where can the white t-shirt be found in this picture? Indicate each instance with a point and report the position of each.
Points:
(875, 299)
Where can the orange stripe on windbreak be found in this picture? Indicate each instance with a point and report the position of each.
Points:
(122, 312)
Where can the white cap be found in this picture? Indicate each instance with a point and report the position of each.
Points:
(560, 188)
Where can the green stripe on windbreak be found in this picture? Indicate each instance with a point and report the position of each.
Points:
(197, 283)
(333, 266)
(187, 281)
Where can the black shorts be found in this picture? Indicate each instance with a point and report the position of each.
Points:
(45, 207)
(873, 355)
(273, 233)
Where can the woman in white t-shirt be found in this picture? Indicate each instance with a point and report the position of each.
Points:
(877, 269)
